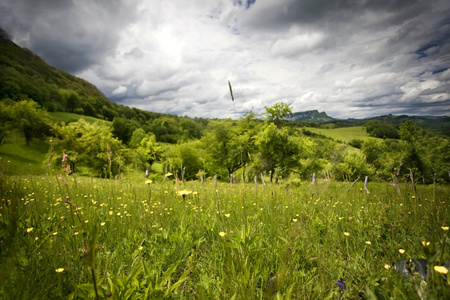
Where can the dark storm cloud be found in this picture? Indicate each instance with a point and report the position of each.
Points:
(70, 35)
(276, 14)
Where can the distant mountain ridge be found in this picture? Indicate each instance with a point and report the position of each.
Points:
(313, 116)
(440, 124)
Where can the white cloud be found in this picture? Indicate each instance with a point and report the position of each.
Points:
(120, 90)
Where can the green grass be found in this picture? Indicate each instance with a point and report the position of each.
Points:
(345, 134)
(216, 243)
(71, 117)
(19, 158)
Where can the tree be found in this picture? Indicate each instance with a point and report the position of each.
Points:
(414, 152)
(224, 148)
(279, 150)
(123, 128)
(31, 120)
(382, 130)
(6, 120)
(91, 148)
(185, 156)
(277, 113)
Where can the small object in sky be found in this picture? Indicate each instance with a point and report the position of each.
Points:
(231, 91)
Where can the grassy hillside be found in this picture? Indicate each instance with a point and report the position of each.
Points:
(17, 158)
(345, 134)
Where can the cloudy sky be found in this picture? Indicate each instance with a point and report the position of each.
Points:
(349, 58)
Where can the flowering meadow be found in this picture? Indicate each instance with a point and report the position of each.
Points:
(85, 238)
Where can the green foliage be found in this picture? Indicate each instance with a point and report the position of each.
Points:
(380, 129)
(354, 165)
(277, 112)
(185, 156)
(356, 143)
(228, 145)
(87, 146)
(123, 129)
(279, 150)
(25, 116)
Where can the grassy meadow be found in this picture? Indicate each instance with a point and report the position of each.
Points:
(68, 237)
(345, 134)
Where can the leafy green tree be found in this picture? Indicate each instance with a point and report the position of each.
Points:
(224, 148)
(6, 120)
(190, 129)
(413, 155)
(277, 113)
(354, 165)
(123, 128)
(185, 156)
(136, 138)
(72, 99)
(32, 121)
(91, 148)
(373, 150)
(279, 150)
(380, 129)
(166, 129)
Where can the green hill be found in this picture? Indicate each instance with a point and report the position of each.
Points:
(25, 76)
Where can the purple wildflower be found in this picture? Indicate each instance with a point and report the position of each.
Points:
(341, 284)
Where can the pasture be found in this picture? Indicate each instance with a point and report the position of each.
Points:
(75, 237)
(345, 134)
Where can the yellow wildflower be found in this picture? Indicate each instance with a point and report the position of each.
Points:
(347, 233)
(401, 251)
(59, 270)
(222, 234)
(387, 267)
(441, 269)
(369, 243)
(184, 192)
(30, 229)
(227, 215)
(445, 228)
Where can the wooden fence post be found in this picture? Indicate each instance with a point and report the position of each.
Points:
(215, 181)
(262, 180)
(365, 184)
(396, 179)
(412, 181)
